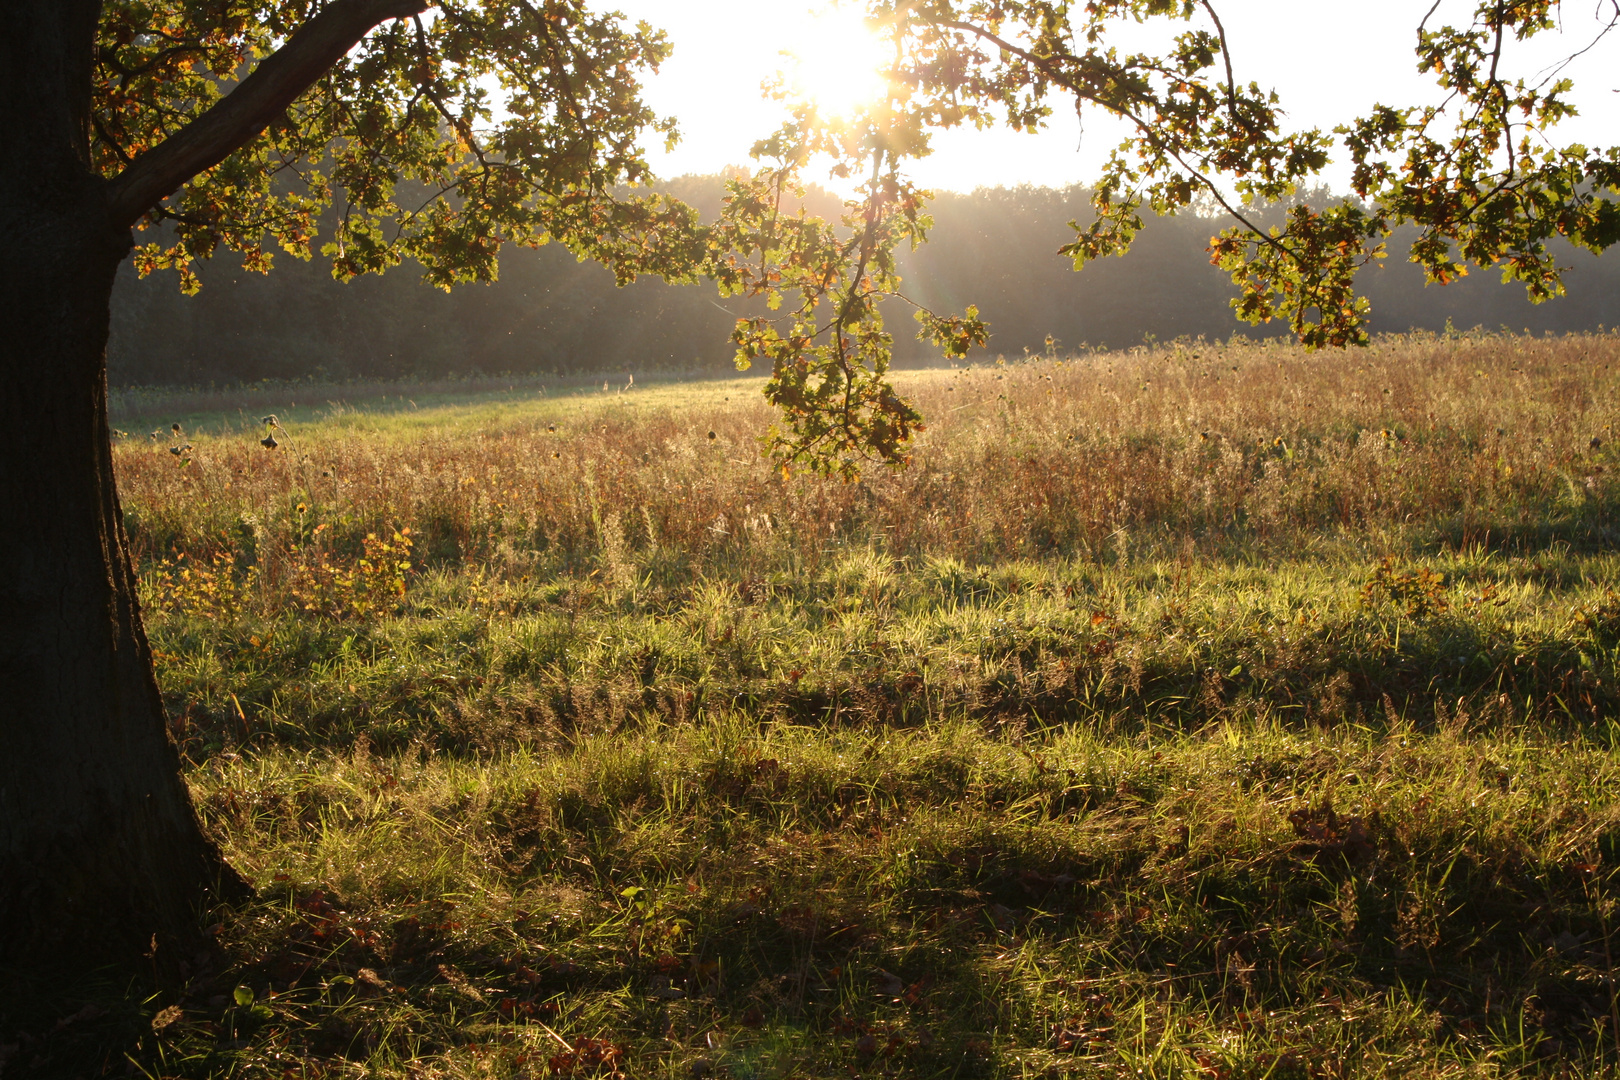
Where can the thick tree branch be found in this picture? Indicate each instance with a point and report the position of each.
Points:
(242, 114)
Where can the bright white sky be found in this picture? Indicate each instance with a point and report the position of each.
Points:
(1329, 60)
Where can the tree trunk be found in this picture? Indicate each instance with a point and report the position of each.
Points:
(100, 851)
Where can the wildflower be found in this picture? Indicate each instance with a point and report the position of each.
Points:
(1596, 443)
(551, 427)
(268, 442)
(711, 435)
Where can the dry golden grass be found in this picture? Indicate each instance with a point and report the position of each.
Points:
(1475, 440)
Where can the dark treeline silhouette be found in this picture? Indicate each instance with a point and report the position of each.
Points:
(549, 313)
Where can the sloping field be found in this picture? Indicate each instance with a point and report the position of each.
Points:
(1218, 710)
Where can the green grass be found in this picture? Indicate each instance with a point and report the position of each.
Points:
(1090, 745)
(783, 899)
(470, 664)
(406, 408)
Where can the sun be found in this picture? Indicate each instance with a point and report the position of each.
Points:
(834, 61)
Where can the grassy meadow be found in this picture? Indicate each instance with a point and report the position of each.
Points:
(1212, 710)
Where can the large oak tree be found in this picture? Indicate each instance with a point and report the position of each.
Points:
(440, 132)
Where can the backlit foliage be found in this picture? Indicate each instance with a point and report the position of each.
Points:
(402, 137)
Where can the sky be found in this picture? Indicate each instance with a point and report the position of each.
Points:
(1328, 60)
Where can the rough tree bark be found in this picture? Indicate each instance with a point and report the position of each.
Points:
(100, 849)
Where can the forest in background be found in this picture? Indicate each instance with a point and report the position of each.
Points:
(996, 248)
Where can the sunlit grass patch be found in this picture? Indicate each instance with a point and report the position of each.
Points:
(776, 897)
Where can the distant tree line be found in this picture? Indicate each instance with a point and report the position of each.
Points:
(548, 313)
